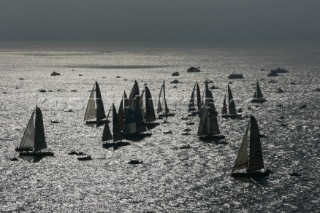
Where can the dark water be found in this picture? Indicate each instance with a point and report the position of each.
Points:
(170, 179)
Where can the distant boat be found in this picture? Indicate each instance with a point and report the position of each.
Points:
(251, 162)
(258, 97)
(193, 69)
(279, 70)
(95, 115)
(34, 140)
(236, 76)
(231, 106)
(117, 134)
(195, 109)
(162, 97)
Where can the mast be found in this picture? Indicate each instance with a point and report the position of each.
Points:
(256, 158)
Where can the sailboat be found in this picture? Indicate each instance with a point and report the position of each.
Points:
(163, 112)
(34, 140)
(258, 97)
(251, 162)
(95, 115)
(231, 106)
(208, 125)
(192, 109)
(117, 134)
(134, 125)
(149, 113)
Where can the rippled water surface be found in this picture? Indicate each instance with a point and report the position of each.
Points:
(170, 179)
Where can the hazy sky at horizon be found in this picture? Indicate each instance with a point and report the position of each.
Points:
(159, 20)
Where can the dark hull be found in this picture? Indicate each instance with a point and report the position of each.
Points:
(115, 145)
(211, 137)
(84, 158)
(166, 115)
(258, 100)
(97, 123)
(136, 136)
(251, 175)
(232, 116)
(36, 154)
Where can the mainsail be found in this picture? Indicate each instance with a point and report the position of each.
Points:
(254, 161)
(242, 158)
(224, 108)
(232, 105)
(208, 125)
(34, 136)
(150, 114)
(192, 107)
(95, 113)
(258, 93)
(256, 158)
(159, 108)
(117, 135)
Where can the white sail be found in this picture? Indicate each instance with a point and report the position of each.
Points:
(242, 158)
(28, 136)
(91, 108)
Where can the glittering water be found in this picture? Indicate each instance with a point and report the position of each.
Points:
(170, 179)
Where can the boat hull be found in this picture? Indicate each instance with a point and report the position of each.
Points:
(115, 145)
(36, 154)
(232, 116)
(258, 100)
(256, 174)
(97, 123)
(166, 115)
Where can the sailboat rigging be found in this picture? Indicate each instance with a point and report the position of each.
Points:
(231, 106)
(33, 140)
(95, 114)
(162, 97)
(252, 162)
(258, 97)
(192, 107)
(116, 129)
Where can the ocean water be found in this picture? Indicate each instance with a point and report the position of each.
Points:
(170, 179)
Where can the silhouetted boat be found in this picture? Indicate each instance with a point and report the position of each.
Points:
(193, 69)
(258, 97)
(236, 76)
(33, 140)
(95, 115)
(135, 128)
(231, 106)
(251, 163)
(192, 107)
(117, 134)
(279, 70)
(85, 158)
(162, 97)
